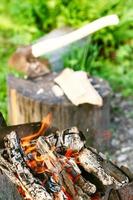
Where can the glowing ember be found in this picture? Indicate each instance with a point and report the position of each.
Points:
(49, 167)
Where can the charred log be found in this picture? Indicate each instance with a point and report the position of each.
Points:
(31, 185)
(59, 166)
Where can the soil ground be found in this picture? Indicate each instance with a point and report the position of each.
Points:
(122, 128)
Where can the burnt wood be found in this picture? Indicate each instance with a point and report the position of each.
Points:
(8, 190)
(26, 105)
(124, 193)
(22, 130)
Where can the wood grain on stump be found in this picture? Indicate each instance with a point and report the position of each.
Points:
(30, 100)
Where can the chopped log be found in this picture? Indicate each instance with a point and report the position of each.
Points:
(9, 192)
(31, 99)
(77, 87)
(89, 159)
(92, 163)
(55, 165)
(31, 185)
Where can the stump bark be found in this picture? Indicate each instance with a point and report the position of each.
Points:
(31, 99)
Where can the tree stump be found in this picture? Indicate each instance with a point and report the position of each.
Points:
(31, 99)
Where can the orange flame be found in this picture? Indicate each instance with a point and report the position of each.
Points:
(37, 161)
(44, 126)
(47, 163)
(30, 149)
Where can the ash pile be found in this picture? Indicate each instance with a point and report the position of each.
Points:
(58, 166)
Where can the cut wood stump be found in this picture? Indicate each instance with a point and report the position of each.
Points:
(31, 99)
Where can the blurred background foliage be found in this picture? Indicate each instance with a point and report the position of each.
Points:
(109, 53)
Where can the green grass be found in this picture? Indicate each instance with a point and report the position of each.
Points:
(5, 51)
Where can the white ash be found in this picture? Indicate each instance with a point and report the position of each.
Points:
(32, 185)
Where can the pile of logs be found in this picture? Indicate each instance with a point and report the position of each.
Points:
(56, 165)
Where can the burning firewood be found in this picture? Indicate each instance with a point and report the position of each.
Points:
(92, 164)
(62, 166)
(57, 166)
(32, 185)
(91, 161)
